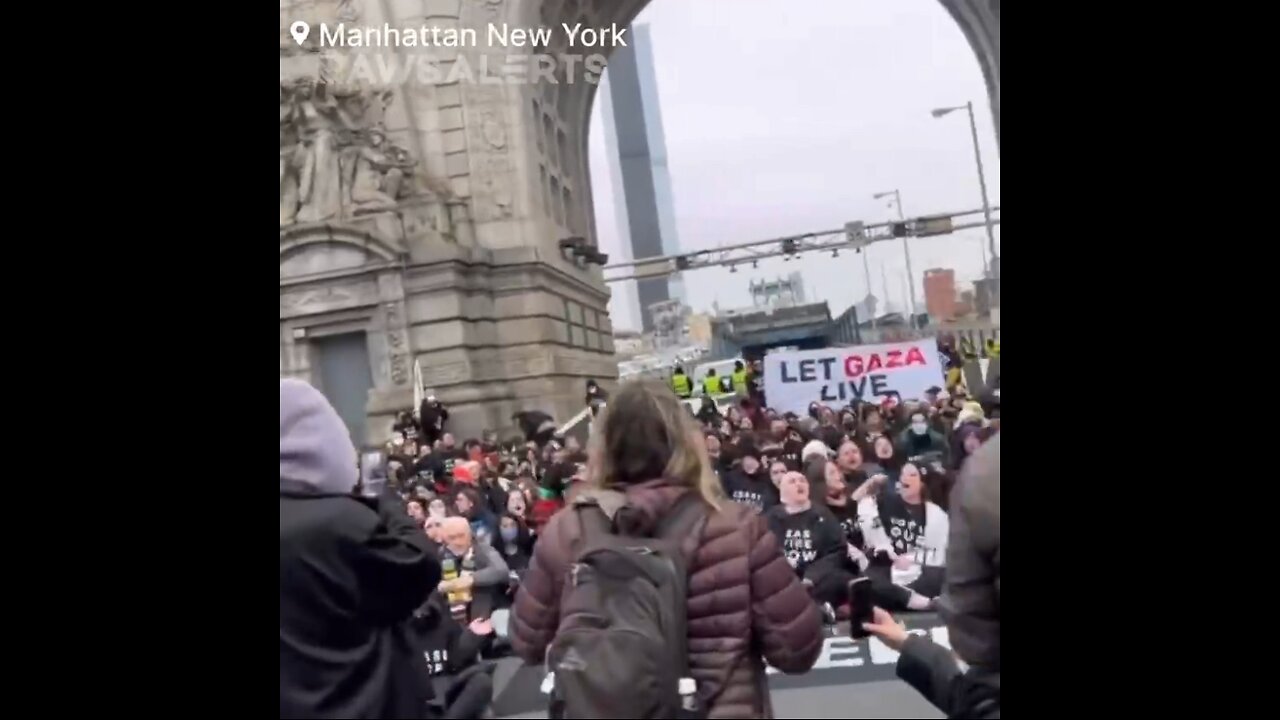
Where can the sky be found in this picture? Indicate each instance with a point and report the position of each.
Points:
(786, 119)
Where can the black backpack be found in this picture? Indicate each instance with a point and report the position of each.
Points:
(621, 648)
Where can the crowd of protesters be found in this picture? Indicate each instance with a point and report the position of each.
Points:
(840, 493)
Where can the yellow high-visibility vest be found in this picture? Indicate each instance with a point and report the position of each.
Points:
(711, 385)
(740, 382)
(680, 383)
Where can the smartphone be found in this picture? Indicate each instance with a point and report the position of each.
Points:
(860, 607)
(373, 473)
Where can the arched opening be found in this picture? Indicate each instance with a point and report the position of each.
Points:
(572, 102)
(978, 21)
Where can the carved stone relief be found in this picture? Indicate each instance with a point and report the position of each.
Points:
(397, 344)
(445, 374)
(336, 160)
(327, 299)
(493, 129)
(493, 8)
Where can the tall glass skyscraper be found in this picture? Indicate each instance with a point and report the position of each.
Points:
(638, 164)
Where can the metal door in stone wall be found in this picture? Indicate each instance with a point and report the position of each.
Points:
(345, 377)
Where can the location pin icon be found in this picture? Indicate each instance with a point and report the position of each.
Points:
(300, 30)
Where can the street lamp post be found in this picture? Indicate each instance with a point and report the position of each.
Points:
(982, 179)
(906, 251)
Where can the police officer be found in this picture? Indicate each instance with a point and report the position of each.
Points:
(711, 383)
(680, 383)
(739, 378)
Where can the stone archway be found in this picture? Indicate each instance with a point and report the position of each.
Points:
(498, 316)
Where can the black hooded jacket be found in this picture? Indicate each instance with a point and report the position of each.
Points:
(431, 418)
(756, 491)
(447, 646)
(812, 540)
(351, 574)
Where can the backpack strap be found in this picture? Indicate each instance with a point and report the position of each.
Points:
(593, 523)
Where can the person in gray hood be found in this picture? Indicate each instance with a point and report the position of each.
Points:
(352, 571)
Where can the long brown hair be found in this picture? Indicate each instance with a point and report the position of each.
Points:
(645, 433)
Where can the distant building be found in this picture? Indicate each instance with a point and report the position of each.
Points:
(699, 329)
(780, 293)
(638, 163)
(627, 343)
(940, 293)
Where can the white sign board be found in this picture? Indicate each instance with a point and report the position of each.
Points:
(839, 376)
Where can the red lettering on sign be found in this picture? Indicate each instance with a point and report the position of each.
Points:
(853, 365)
(895, 359)
(874, 363)
(914, 356)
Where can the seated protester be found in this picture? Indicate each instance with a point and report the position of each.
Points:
(428, 468)
(778, 469)
(463, 687)
(811, 541)
(746, 424)
(404, 421)
(815, 448)
(415, 510)
(964, 443)
(550, 500)
(911, 534)
(749, 485)
(475, 574)
(849, 458)
(449, 453)
(920, 439)
(483, 523)
(708, 413)
(755, 412)
(793, 446)
(885, 458)
(517, 506)
(712, 440)
(528, 489)
(971, 414)
(436, 508)
(873, 424)
(514, 543)
(838, 496)
(493, 491)
(434, 528)
(815, 410)
(937, 483)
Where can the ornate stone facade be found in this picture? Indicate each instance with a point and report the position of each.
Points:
(427, 214)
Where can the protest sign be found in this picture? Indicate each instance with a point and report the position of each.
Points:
(841, 375)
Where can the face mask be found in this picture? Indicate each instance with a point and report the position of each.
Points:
(919, 428)
(509, 533)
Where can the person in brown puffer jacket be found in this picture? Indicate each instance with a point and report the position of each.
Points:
(744, 599)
